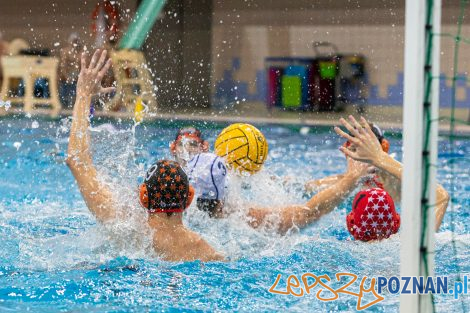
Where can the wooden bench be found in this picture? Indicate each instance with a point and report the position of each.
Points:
(29, 69)
(133, 82)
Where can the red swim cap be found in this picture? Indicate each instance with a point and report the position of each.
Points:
(373, 216)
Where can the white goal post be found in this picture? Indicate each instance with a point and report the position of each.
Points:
(413, 201)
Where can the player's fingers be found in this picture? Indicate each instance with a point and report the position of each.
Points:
(107, 90)
(83, 60)
(354, 132)
(101, 61)
(356, 124)
(349, 153)
(346, 135)
(367, 127)
(94, 59)
(105, 68)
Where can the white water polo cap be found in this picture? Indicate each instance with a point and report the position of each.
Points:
(207, 173)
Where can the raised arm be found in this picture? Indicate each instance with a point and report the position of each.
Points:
(320, 204)
(97, 196)
(368, 150)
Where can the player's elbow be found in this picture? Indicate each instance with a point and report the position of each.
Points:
(446, 196)
(71, 162)
(442, 196)
(442, 201)
(77, 161)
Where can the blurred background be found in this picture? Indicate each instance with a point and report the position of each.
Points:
(285, 59)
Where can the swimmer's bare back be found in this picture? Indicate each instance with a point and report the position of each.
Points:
(174, 242)
(177, 243)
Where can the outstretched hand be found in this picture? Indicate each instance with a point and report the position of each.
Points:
(91, 75)
(357, 169)
(368, 148)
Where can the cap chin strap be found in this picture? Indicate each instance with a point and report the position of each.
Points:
(144, 197)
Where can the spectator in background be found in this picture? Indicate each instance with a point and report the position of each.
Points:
(69, 69)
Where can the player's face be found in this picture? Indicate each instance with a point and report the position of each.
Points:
(186, 148)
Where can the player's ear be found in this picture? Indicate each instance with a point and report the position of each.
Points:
(190, 196)
(173, 148)
(143, 196)
(205, 146)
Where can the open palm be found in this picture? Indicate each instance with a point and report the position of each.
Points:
(368, 148)
(91, 75)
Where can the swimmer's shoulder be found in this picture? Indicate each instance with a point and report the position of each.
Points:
(198, 248)
(184, 245)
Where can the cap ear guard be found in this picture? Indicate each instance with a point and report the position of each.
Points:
(350, 222)
(143, 196)
(191, 193)
(396, 226)
(385, 145)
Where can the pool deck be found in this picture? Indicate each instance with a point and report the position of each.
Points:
(388, 117)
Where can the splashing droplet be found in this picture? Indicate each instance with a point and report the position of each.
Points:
(17, 145)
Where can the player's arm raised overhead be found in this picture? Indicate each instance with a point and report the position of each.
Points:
(368, 150)
(97, 196)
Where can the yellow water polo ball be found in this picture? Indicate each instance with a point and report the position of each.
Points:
(243, 147)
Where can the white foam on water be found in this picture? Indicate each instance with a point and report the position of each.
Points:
(17, 145)
(68, 236)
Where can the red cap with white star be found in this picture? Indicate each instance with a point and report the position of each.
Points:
(373, 216)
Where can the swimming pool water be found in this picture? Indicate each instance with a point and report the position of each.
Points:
(54, 257)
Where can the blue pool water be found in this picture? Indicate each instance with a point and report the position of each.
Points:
(54, 257)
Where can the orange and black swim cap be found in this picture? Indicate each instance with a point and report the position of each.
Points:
(167, 188)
